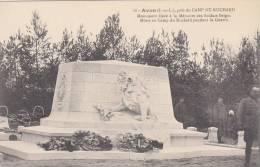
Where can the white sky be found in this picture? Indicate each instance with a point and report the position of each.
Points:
(60, 15)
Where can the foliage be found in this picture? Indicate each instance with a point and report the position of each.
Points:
(247, 64)
(130, 50)
(90, 141)
(137, 143)
(73, 49)
(108, 39)
(57, 143)
(81, 140)
(153, 51)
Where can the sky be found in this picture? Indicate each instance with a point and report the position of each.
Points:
(245, 20)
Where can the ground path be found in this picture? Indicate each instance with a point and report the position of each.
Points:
(230, 161)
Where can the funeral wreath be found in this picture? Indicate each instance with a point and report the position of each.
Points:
(137, 143)
(81, 140)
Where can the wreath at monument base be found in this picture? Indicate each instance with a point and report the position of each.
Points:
(137, 143)
(81, 140)
(58, 143)
(90, 141)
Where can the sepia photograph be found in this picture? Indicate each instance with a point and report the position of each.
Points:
(130, 83)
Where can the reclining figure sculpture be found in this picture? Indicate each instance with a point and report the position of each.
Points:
(134, 98)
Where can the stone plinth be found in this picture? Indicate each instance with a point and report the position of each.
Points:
(192, 128)
(29, 151)
(3, 122)
(3, 125)
(241, 143)
(184, 138)
(213, 136)
(4, 136)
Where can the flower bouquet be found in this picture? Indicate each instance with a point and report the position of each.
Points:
(105, 115)
(81, 140)
(137, 143)
(90, 141)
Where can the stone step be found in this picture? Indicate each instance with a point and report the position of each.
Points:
(255, 147)
(4, 136)
(77, 122)
(170, 138)
(30, 151)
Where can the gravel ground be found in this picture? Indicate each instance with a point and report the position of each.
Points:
(231, 161)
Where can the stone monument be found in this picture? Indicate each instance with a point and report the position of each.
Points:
(109, 98)
(122, 88)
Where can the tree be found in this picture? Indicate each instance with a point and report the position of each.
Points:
(10, 67)
(78, 48)
(176, 48)
(214, 61)
(83, 45)
(180, 50)
(257, 40)
(66, 47)
(50, 70)
(247, 64)
(37, 33)
(108, 39)
(38, 52)
(153, 51)
(220, 63)
(130, 50)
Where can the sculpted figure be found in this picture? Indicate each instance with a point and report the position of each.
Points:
(61, 93)
(62, 88)
(134, 97)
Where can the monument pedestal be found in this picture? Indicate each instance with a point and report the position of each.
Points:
(171, 138)
(29, 151)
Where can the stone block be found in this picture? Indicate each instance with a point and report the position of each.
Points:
(182, 138)
(241, 143)
(4, 122)
(84, 66)
(158, 74)
(104, 78)
(112, 69)
(81, 77)
(4, 136)
(212, 132)
(65, 67)
(192, 128)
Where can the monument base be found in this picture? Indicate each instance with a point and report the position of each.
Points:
(30, 151)
(170, 138)
(4, 136)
